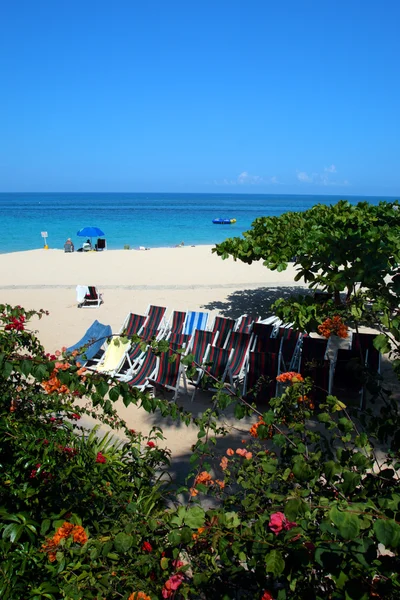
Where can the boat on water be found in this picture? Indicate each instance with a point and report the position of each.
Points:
(221, 221)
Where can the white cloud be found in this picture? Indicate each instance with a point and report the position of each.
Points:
(327, 177)
(304, 177)
(274, 180)
(246, 179)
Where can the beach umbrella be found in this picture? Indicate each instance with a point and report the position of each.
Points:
(89, 232)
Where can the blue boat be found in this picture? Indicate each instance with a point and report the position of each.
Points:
(221, 221)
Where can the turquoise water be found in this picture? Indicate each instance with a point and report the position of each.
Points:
(150, 220)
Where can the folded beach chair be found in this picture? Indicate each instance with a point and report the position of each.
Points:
(290, 348)
(176, 321)
(364, 342)
(90, 344)
(314, 363)
(155, 317)
(168, 373)
(216, 365)
(348, 375)
(146, 369)
(87, 296)
(195, 320)
(114, 356)
(239, 342)
(260, 380)
(224, 326)
(132, 324)
(244, 324)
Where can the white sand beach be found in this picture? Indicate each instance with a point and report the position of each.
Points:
(186, 278)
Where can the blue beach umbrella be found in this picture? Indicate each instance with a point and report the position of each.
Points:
(89, 232)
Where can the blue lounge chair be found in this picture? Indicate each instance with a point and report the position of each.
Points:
(195, 320)
(90, 344)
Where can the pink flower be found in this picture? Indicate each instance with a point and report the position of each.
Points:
(230, 452)
(147, 547)
(278, 521)
(151, 444)
(171, 585)
(248, 455)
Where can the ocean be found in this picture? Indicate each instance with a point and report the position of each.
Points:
(140, 219)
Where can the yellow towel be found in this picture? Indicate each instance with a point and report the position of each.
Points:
(113, 355)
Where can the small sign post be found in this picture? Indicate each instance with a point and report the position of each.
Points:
(44, 236)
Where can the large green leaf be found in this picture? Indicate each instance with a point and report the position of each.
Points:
(274, 562)
(347, 523)
(387, 532)
(122, 542)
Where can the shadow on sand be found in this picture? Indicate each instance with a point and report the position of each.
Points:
(255, 302)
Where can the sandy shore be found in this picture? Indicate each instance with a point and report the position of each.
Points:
(188, 278)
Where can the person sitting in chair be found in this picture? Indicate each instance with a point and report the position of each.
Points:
(69, 246)
(87, 245)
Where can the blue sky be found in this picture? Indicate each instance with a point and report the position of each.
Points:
(200, 96)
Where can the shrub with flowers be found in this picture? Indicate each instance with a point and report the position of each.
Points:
(300, 506)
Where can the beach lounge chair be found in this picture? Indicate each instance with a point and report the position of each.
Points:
(90, 344)
(132, 324)
(146, 369)
(216, 364)
(198, 347)
(176, 321)
(195, 320)
(178, 340)
(244, 324)
(88, 296)
(224, 326)
(260, 380)
(239, 342)
(114, 356)
(155, 317)
(264, 330)
(135, 355)
(168, 373)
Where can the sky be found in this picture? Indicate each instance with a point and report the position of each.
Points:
(226, 96)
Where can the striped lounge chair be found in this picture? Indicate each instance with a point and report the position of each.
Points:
(224, 326)
(91, 298)
(260, 380)
(168, 373)
(195, 320)
(216, 364)
(146, 369)
(132, 324)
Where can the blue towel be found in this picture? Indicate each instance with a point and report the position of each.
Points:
(96, 336)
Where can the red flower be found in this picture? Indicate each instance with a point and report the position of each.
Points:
(278, 521)
(151, 444)
(267, 596)
(147, 547)
(100, 458)
(75, 416)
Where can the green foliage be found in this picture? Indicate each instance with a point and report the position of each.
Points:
(304, 509)
(333, 247)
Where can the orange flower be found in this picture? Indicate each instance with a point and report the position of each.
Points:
(193, 491)
(203, 477)
(78, 534)
(290, 377)
(253, 428)
(334, 326)
(224, 463)
(248, 455)
(230, 452)
(220, 483)
(241, 451)
(139, 596)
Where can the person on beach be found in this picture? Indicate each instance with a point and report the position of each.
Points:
(69, 246)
